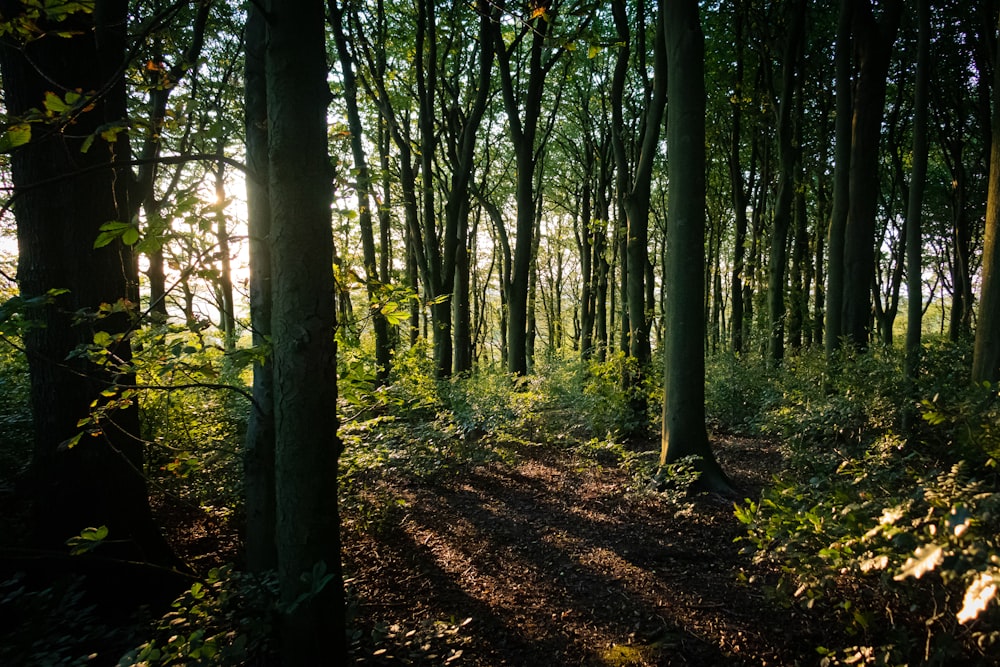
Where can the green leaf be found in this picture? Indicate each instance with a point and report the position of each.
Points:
(55, 104)
(88, 540)
(16, 135)
(102, 338)
(127, 232)
(130, 236)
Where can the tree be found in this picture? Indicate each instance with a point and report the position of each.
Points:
(918, 178)
(523, 106)
(841, 182)
(258, 449)
(304, 350)
(874, 38)
(684, 431)
(64, 71)
(787, 159)
(634, 181)
(373, 277)
(986, 354)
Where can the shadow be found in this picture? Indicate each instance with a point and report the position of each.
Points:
(556, 564)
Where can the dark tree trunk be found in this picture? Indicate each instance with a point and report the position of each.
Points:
(373, 277)
(97, 479)
(986, 353)
(738, 188)
(786, 188)
(874, 41)
(258, 451)
(303, 320)
(914, 212)
(684, 431)
(841, 182)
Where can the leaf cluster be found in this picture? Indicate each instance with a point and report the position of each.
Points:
(888, 531)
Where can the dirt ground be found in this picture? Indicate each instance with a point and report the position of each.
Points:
(550, 561)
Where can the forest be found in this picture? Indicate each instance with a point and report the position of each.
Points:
(499, 332)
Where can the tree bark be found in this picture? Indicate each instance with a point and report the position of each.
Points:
(841, 182)
(97, 480)
(781, 222)
(986, 352)
(258, 450)
(874, 40)
(363, 188)
(684, 432)
(303, 320)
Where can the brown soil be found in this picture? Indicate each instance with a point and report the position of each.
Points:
(550, 561)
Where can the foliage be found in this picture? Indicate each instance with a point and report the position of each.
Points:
(193, 423)
(591, 399)
(907, 527)
(51, 625)
(227, 620)
(739, 393)
(434, 642)
(641, 466)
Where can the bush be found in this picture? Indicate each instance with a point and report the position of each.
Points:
(228, 620)
(896, 535)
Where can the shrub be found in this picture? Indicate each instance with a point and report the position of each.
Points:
(898, 534)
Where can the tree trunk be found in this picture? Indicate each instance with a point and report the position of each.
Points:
(86, 481)
(874, 40)
(738, 188)
(522, 118)
(258, 450)
(684, 431)
(986, 353)
(303, 320)
(227, 310)
(841, 182)
(781, 222)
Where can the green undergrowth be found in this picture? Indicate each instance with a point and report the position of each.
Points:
(895, 534)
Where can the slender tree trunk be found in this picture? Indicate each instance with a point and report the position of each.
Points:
(373, 278)
(841, 182)
(307, 447)
(914, 212)
(227, 309)
(738, 188)
(258, 452)
(144, 193)
(781, 222)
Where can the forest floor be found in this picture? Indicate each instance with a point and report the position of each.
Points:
(551, 560)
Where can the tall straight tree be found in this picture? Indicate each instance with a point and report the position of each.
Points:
(258, 450)
(304, 351)
(841, 181)
(874, 38)
(522, 82)
(63, 195)
(986, 353)
(914, 213)
(738, 186)
(684, 432)
(787, 152)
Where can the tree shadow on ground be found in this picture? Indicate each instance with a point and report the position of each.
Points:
(556, 563)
